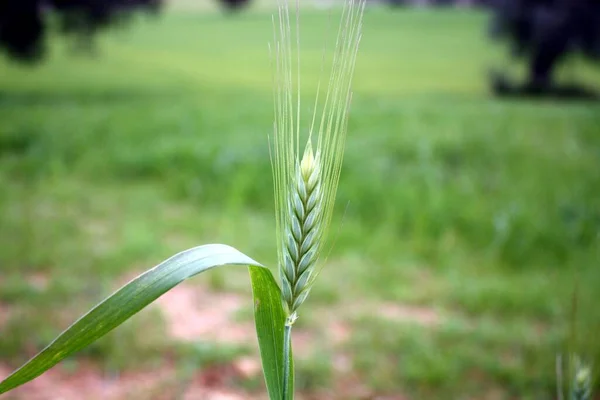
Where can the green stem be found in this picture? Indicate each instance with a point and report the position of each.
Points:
(287, 345)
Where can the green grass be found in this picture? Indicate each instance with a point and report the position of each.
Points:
(482, 209)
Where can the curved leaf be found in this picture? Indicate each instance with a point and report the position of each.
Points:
(124, 303)
(269, 317)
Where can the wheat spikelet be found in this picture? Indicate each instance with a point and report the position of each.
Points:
(305, 188)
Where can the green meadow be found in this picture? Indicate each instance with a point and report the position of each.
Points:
(464, 223)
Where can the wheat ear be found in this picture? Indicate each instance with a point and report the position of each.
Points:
(582, 382)
(305, 188)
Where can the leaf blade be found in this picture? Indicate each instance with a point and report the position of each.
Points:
(124, 303)
(269, 318)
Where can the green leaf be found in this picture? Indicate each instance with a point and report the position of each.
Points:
(269, 317)
(126, 302)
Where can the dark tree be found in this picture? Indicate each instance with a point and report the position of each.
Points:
(544, 33)
(24, 23)
(235, 4)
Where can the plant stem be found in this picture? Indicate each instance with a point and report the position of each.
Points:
(287, 346)
(559, 380)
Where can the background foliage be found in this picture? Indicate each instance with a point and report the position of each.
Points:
(476, 212)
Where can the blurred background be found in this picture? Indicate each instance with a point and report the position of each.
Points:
(467, 222)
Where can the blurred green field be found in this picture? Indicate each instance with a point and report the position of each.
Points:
(477, 212)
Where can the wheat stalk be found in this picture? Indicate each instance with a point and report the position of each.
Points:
(305, 188)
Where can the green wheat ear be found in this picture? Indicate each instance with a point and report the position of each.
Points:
(305, 187)
(582, 381)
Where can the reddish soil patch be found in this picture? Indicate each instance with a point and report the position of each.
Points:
(89, 383)
(38, 281)
(339, 331)
(4, 316)
(303, 342)
(194, 313)
(410, 314)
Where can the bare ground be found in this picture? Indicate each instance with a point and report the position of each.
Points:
(192, 312)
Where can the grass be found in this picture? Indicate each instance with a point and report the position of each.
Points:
(481, 209)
